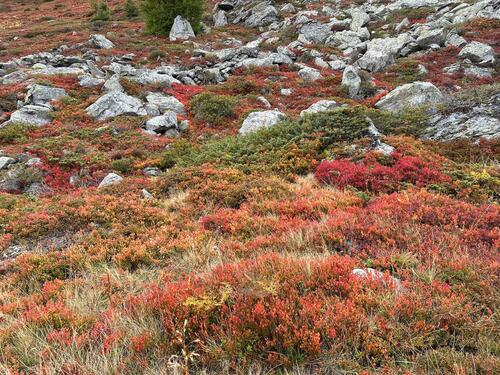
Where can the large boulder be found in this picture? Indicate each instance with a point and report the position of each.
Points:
(163, 124)
(115, 104)
(359, 19)
(375, 60)
(259, 120)
(381, 52)
(100, 41)
(479, 53)
(14, 78)
(433, 36)
(220, 18)
(316, 32)
(33, 115)
(460, 125)
(181, 30)
(351, 81)
(43, 95)
(153, 77)
(320, 106)
(165, 102)
(262, 15)
(309, 74)
(414, 94)
(344, 39)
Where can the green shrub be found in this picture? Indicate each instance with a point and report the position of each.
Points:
(100, 10)
(28, 176)
(123, 165)
(131, 9)
(409, 122)
(160, 14)
(156, 55)
(291, 146)
(213, 108)
(14, 133)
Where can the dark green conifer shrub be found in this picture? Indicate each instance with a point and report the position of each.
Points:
(131, 9)
(159, 15)
(100, 10)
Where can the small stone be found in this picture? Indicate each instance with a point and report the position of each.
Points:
(152, 171)
(110, 179)
(146, 194)
(309, 74)
(165, 102)
(375, 275)
(264, 102)
(5, 161)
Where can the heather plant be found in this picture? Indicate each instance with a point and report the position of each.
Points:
(213, 109)
(244, 253)
(100, 10)
(376, 177)
(131, 9)
(14, 133)
(159, 15)
(290, 146)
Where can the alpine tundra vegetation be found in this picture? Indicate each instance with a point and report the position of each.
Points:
(249, 187)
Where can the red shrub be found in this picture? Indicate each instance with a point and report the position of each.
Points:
(372, 176)
(184, 93)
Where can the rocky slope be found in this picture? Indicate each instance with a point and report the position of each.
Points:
(324, 172)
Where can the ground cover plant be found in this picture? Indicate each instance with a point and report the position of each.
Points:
(346, 240)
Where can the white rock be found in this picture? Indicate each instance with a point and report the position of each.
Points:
(411, 95)
(5, 161)
(359, 19)
(34, 115)
(160, 124)
(309, 74)
(113, 84)
(375, 275)
(43, 95)
(220, 19)
(320, 106)
(100, 41)
(351, 81)
(89, 81)
(165, 102)
(115, 104)
(259, 120)
(181, 30)
(110, 179)
(479, 53)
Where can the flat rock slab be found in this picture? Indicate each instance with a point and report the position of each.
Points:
(116, 104)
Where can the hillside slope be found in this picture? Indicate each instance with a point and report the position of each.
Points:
(303, 187)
